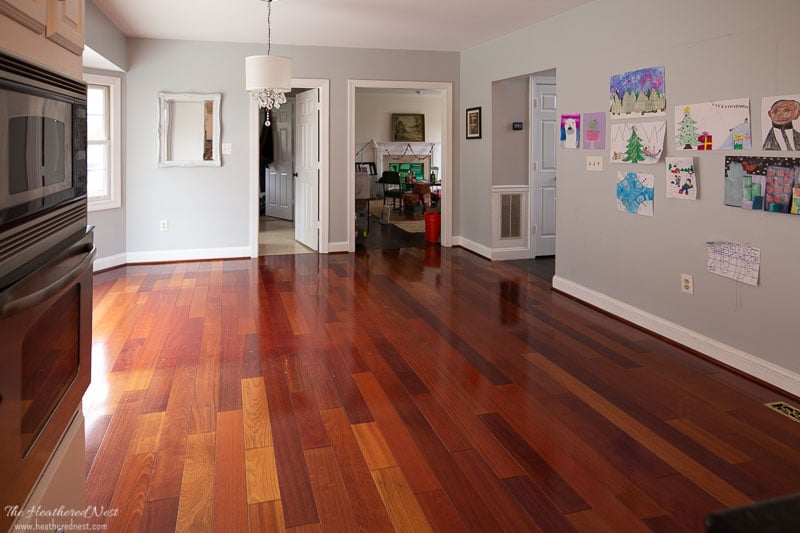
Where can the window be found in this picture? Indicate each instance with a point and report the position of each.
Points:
(103, 142)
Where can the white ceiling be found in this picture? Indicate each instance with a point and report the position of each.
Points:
(448, 25)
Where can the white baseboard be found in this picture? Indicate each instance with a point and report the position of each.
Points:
(508, 254)
(745, 362)
(336, 247)
(472, 246)
(199, 254)
(104, 263)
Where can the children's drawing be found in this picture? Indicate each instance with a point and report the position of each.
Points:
(594, 131)
(637, 142)
(740, 262)
(570, 131)
(638, 93)
(635, 192)
(780, 122)
(719, 125)
(681, 178)
(762, 183)
(795, 209)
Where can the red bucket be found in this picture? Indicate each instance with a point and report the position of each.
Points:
(433, 226)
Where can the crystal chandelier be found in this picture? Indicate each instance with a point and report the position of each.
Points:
(268, 77)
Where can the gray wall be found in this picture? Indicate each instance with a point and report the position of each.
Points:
(208, 207)
(509, 147)
(714, 49)
(104, 38)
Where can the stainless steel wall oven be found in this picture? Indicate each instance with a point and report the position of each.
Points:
(46, 255)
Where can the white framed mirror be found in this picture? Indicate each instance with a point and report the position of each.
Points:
(189, 129)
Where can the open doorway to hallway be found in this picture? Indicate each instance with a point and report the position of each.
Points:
(290, 160)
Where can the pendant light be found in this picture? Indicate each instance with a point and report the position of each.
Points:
(268, 77)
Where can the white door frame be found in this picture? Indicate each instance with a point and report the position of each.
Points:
(535, 80)
(446, 170)
(324, 150)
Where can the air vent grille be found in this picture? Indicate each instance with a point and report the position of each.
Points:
(511, 216)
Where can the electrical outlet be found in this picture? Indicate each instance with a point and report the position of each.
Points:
(687, 284)
(163, 226)
(594, 163)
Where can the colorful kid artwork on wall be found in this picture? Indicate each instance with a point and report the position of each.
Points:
(635, 193)
(637, 142)
(763, 183)
(594, 131)
(638, 93)
(780, 122)
(570, 131)
(681, 178)
(719, 125)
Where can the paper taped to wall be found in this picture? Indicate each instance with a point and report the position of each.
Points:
(740, 262)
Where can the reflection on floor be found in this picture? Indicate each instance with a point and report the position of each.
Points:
(384, 236)
(276, 237)
(541, 267)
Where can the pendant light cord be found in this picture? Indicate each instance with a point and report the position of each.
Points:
(269, 27)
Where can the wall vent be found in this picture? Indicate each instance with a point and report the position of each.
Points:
(785, 409)
(511, 216)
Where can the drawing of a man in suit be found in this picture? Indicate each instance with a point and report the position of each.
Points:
(782, 135)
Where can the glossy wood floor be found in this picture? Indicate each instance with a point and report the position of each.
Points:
(410, 390)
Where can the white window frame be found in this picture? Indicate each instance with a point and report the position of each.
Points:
(114, 198)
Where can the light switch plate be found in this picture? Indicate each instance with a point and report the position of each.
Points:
(227, 148)
(594, 163)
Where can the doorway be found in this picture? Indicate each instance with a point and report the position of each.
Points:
(297, 181)
(444, 176)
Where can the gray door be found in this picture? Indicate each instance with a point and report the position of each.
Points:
(280, 186)
(545, 134)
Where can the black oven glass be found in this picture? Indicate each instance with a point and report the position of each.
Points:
(50, 358)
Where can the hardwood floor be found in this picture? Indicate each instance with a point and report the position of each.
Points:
(421, 389)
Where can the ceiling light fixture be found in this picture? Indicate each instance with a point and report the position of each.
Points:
(268, 77)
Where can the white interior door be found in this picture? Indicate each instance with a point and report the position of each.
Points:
(545, 134)
(280, 183)
(306, 226)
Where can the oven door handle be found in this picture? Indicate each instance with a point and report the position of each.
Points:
(29, 301)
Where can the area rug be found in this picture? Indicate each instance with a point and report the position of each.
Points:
(396, 218)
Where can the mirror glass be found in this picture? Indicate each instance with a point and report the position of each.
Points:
(188, 129)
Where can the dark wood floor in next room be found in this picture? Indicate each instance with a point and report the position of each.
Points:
(410, 390)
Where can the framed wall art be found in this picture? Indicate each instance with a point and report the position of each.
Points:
(473, 123)
(408, 127)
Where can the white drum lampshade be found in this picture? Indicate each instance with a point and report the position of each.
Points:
(268, 72)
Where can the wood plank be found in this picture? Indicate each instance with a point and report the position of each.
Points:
(131, 489)
(169, 464)
(230, 486)
(717, 446)
(368, 508)
(404, 510)
(262, 475)
(160, 515)
(309, 422)
(265, 516)
(335, 512)
(257, 429)
(148, 430)
(440, 512)
(196, 498)
(373, 446)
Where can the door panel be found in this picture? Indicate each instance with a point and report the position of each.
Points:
(543, 197)
(280, 184)
(306, 226)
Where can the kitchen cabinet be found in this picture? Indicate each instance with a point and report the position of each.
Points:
(30, 13)
(65, 24)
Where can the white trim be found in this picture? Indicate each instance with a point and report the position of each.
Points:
(198, 254)
(114, 199)
(733, 357)
(324, 155)
(335, 247)
(508, 254)
(104, 263)
(472, 246)
(445, 169)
